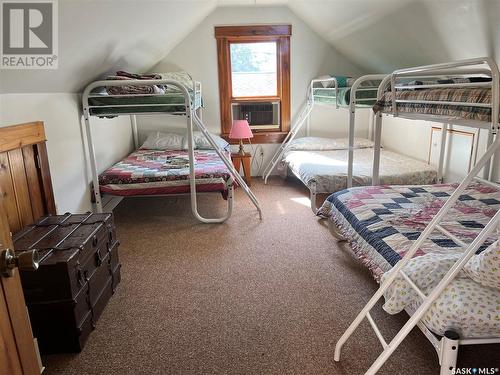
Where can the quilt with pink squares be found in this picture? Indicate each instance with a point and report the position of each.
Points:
(153, 172)
(382, 222)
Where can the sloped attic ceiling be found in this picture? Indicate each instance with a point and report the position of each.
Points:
(97, 36)
(378, 35)
(384, 35)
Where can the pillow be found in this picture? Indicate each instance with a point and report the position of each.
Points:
(484, 268)
(342, 81)
(182, 77)
(323, 144)
(164, 141)
(326, 84)
(200, 142)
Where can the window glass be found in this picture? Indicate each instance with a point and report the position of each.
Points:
(253, 69)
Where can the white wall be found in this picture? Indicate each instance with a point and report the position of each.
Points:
(66, 149)
(311, 56)
(412, 138)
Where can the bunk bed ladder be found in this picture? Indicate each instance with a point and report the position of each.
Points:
(235, 174)
(447, 360)
(301, 120)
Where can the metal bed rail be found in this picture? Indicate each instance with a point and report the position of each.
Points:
(192, 113)
(484, 66)
(304, 115)
(447, 346)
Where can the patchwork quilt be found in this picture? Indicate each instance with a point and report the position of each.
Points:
(150, 172)
(382, 222)
(469, 95)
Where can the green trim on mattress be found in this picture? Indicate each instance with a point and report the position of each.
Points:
(174, 103)
(328, 96)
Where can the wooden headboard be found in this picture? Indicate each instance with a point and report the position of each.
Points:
(25, 182)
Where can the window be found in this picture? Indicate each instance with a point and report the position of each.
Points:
(254, 79)
(254, 69)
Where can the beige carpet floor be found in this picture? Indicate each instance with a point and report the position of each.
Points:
(243, 297)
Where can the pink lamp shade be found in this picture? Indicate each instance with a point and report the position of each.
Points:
(240, 130)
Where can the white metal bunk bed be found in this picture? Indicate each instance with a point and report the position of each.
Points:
(179, 100)
(413, 106)
(356, 96)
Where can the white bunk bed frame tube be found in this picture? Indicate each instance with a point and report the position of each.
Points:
(447, 346)
(193, 114)
(304, 117)
(481, 66)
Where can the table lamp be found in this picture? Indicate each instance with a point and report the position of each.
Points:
(240, 130)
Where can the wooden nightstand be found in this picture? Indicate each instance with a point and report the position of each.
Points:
(239, 159)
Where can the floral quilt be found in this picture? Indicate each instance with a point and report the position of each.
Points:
(465, 306)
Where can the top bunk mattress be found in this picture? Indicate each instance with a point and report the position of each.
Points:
(328, 169)
(103, 104)
(149, 172)
(126, 100)
(477, 95)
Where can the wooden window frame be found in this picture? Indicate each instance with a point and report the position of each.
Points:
(280, 34)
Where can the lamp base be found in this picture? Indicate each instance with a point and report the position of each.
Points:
(241, 150)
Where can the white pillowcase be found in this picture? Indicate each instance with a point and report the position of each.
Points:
(324, 144)
(200, 142)
(484, 268)
(164, 141)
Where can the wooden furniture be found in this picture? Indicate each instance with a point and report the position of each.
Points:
(18, 349)
(280, 34)
(25, 195)
(78, 272)
(25, 181)
(245, 160)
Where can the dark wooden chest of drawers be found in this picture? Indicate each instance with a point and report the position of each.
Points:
(78, 273)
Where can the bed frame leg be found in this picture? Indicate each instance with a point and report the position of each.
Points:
(313, 196)
(93, 166)
(449, 352)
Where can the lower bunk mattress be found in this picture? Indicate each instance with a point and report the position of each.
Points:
(328, 169)
(382, 222)
(157, 172)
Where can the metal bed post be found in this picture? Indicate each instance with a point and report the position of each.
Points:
(192, 174)
(313, 195)
(352, 120)
(93, 167)
(442, 148)
(447, 357)
(377, 133)
(377, 140)
(487, 172)
(235, 174)
(135, 134)
(304, 114)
